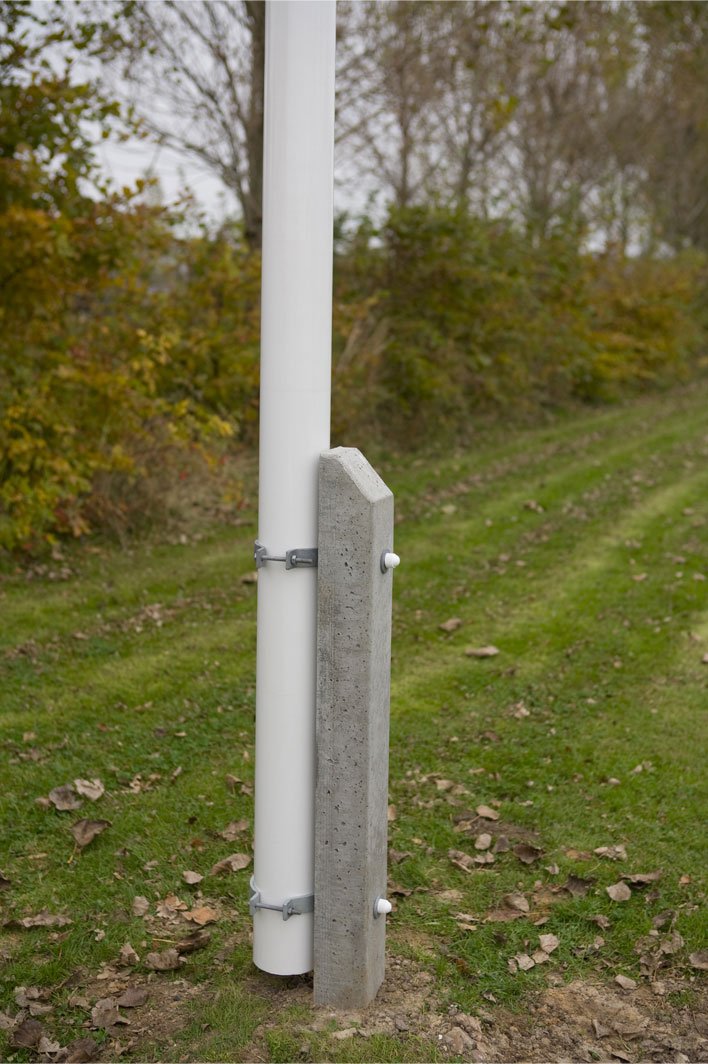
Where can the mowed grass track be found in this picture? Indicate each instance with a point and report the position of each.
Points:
(578, 549)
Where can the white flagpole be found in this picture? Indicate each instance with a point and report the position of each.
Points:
(294, 429)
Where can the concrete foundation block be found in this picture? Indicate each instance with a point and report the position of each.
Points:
(353, 680)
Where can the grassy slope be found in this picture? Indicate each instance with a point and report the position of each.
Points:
(609, 668)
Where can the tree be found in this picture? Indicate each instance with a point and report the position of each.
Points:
(195, 75)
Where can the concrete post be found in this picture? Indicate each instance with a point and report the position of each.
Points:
(353, 676)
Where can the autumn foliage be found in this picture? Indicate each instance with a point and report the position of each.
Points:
(129, 334)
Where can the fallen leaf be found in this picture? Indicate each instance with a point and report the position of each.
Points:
(577, 886)
(578, 855)
(461, 859)
(524, 962)
(26, 1035)
(64, 799)
(5, 883)
(392, 813)
(127, 955)
(195, 940)
(482, 652)
(82, 1051)
(46, 1047)
(527, 854)
(167, 961)
(92, 789)
(45, 919)
(140, 905)
(233, 830)
(6, 1022)
(105, 1013)
(539, 956)
(192, 878)
(85, 831)
(132, 998)
(483, 842)
(517, 902)
(486, 813)
(619, 892)
(641, 879)
(201, 916)
(396, 856)
(612, 853)
(549, 943)
(234, 863)
(502, 916)
(600, 920)
(501, 845)
(699, 960)
(451, 625)
(625, 982)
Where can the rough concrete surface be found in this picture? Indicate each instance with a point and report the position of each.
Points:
(353, 679)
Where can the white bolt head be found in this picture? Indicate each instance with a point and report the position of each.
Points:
(382, 907)
(391, 560)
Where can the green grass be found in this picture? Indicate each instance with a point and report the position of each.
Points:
(533, 539)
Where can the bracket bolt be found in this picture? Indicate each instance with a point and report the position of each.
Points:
(389, 560)
(382, 907)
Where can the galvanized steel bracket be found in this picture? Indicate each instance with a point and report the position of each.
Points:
(298, 906)
(297, 558)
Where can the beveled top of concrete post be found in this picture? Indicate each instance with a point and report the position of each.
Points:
(358, 470)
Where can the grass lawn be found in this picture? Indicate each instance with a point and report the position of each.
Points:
(579, 549)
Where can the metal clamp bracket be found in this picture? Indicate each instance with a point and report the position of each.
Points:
(298, 906)
(297, 558)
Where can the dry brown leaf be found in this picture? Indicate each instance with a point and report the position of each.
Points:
(502, 916)
(524, 962)
(461, 859)
(192, 878)
(396, 856)
(132, 998)
(625, 982)
(85, 831)
(5, 882)
(619, 892)
(451, 625)
(233, 830)
(64, 799)
(699, 960)
(526, 853)
(600, 920)
(235, 862)
(486, 813)
(577, 886)
(195, 940)
(641, 879)
(517, 902)
(612, 853)
(578, 855)
(501, 845)
(127, 956)
(92, 789)
(82, 1051)
(140, 905)
(47, 1048)
(166, 961)
(482, 652)
(392, 813)
(549, 943)
(45, 919)
(539, 956)
(26, 1035)
(105, 1013)
(483, 842)
(202, 915)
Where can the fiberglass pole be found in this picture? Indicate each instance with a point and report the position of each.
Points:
(294, 429)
